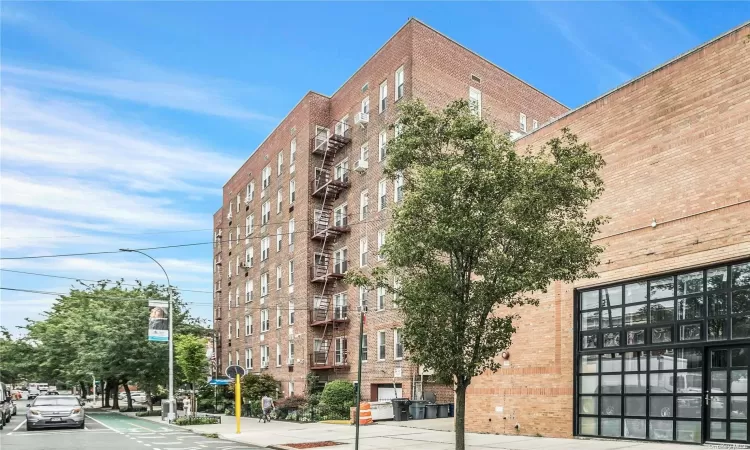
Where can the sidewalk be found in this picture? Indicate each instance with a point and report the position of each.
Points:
(387, 435)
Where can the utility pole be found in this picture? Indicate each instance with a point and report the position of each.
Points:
(172, 404)
(359, 374)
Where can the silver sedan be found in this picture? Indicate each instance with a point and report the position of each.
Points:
(55, 411)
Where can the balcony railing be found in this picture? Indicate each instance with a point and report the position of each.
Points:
(329, 360)
(322, 316)
(321, 272)
(326, 142)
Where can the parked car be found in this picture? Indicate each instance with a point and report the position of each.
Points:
(4, 406)
(14, 410)
(138, 396)
(58, 411)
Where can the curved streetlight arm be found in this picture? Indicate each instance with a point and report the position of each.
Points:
(172, 403)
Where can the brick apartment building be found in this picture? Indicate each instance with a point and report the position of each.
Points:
(311, 202)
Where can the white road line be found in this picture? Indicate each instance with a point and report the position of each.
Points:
(147, 445)
(16, 428)
(102, 424)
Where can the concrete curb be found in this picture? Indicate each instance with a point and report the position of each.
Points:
(234, 439)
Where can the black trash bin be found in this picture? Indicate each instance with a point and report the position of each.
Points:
(431, 412)
(400, 409)
(443, 410)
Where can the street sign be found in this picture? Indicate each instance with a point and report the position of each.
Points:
(220, 382)
(233, 371)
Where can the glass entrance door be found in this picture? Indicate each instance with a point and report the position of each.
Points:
(726, 394)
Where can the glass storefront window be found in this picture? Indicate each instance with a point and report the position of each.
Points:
(589, 300)
(636, 337)
(689, 431)
(690, 283)
(612, 318)
(611, 296)
(716, 279)
(635, 292)
(660, 430)
(588, 426)
(611, 427)
(635, 315)
(740, 301)
(588, 405)
(612, 362)
(635, 361)
(689, 358)
(590, 320)
(741, 275)
(635, 428)
(589, 364)
(661, 288)
(690, 307)
(662, 311)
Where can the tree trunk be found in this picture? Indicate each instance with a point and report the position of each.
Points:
(105, 394)
(193, 403)
(127, 394)
(460, 414)
(84, 391)
(148, 399)
(115, 398)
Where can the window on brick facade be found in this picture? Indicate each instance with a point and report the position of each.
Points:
(475, 101)
(364, 202)
(340, 263)
(279, 238)
(381, 298)
(292, 154)
(382, 198)
(522, 122)
(278, 355)
(290, 361)
(362, 298)
(266, 177)
(265, 213)
(247, 325)
(291, 273)
(364, 152)
(383, 96)
(264, 285)
(278, 277)
(398, 346)
(363, 252)
(278, 316)
(366, 105)
(238, 202)
(291, 313)
(399, 83)
(265, 244)
(279, 163)
(398, 188)
(340, 218)
(279, 200)
(381, 242)
(363, 348)
(292, 191)
(264, 355)
(342, 126)
(291, 231)
(264, 322)
(534, 124)
(229, 331)
(248, 358)
(249, 225)
(250, 191)
(381, 345)
(248, 291)
(382, 145)
(341, 172)
(249, 256)
(229, 267)
(237, 328)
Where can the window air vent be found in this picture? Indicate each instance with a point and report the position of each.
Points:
(476, 78)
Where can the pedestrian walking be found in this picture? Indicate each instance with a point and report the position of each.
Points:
(267, 404)
(187, 405)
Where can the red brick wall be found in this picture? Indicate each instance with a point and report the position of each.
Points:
(676, 146)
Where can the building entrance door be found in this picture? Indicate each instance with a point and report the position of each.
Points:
(725, 394)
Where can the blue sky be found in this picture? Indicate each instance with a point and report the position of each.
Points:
(121, 121)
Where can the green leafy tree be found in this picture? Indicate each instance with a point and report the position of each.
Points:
(481, 227)
(190, 355)
(254, 386)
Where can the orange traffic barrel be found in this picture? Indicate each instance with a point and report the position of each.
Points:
(365, 414)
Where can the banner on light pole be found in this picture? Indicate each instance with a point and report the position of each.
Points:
(158, 320)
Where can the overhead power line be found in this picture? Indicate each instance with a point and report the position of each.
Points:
(176, 245)
(93, 281)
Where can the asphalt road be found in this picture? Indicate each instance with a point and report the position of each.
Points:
(108, 431)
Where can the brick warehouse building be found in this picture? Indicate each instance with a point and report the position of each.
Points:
(677, 192)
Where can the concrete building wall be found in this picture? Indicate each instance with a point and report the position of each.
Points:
(676, 146)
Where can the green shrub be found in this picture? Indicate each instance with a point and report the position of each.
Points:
(338, 396)
(182, 421)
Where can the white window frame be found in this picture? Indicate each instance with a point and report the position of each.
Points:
(398, 188)
(340, 263)
(475, 101)
(292, 191)
(292, 155)
(266, 177)
(382, 194)
(279, 163)
(237, 328)
(290, 313)
(264, 323)
(363, 298)
(364, 151)
(247, 325)
(363, 251)
(400, 89)
(278, 355)
(248, 291)
(398, 337)
(248, 225)
(265, 211)
(383, 104)
(381, 242)
(279, 200)
(340, 350)
(365, 105)
(381, 345)
(239, 201)
(278, 316)
(534, 124)
(341, 171)
(340, 215)
(250, 192)
(265, 247)
(279, 276)
(291, 232)
(264, 356)
(382, 145)
(363, 347)
(263, 285)
(380, 303)
(250, 256)
(290, 361)
(291, 272)
(522, 122)
(248, 358)
(364, 204)
(279, 238)
(339, 305)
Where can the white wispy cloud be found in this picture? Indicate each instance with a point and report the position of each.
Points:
(209, 96)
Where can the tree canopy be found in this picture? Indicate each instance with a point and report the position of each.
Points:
(482, 226)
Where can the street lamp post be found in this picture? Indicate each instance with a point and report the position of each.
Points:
(170, 344)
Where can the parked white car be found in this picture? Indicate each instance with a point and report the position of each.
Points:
(138, 396)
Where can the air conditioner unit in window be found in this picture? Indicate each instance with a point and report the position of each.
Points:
(361, 118)
(229, 216)
(248, 200)
(360, 166)
(290, 362)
